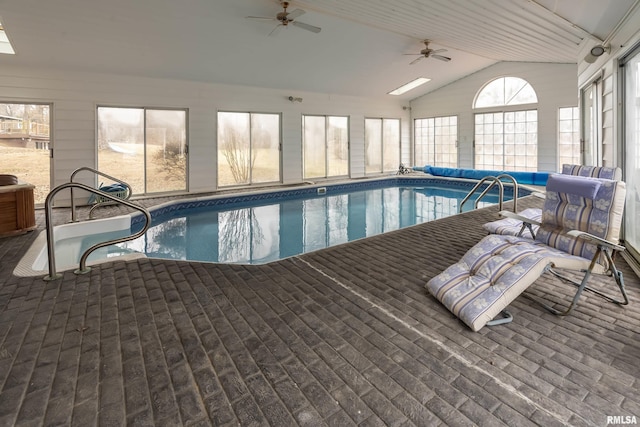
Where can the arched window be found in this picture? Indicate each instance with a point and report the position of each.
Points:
(506, 135)
(505, 91)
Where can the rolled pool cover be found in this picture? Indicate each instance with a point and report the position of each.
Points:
(529, 178)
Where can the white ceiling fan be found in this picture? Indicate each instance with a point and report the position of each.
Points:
(285, 18)
(429, 53)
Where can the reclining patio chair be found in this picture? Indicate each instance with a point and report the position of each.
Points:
(515, 227)
(579, 231)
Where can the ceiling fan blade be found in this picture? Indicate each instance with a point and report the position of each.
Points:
(417, 59)
(276, 30)
(307, 27)
(295, 13)
(441, 58)
(260, 18)
(413, 54)
(438, 50)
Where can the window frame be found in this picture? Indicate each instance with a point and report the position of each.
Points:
(591, 122)
(504, 110)
(629, 74)
(575, 135)
(250, 181)
(326, 147)
(476, 98)
(383, 147)
(504, 145)
(145, 109)
(41, 191)
(434, 143)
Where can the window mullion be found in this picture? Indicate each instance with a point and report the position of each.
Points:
(326, 147)
(381, 145)
(250, 159)
(144, 149)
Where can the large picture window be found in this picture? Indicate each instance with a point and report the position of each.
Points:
(505, 91)
(506, 134)
(25, 145)
(568, 136)
(248, 148)
(507, 141)
(591, 98)
(436, 141)
(382, 145)
(325, 141)
(631, 78)
(144, 147)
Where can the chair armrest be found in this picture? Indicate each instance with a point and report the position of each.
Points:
(509, 214)
(595, 239)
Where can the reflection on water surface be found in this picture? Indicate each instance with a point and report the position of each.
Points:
(266, 233)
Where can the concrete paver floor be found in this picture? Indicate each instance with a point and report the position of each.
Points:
(342, 336)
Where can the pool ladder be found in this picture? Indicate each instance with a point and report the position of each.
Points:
(83, 269)
(494, 180)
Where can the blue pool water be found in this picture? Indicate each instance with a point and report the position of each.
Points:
(255, 229)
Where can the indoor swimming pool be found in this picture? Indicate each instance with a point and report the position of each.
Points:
(255, 228)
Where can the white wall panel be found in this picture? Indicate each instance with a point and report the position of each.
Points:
(621, 42)
(406, 136)
(292, 153)
(75, 97)
(356, 146)
(555, 86)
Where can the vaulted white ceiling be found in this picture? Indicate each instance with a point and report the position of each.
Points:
(360, 50)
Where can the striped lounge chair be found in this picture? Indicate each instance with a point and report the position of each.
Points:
(512, 225)
(579, 230)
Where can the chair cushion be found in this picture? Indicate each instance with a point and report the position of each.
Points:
(492, 274)
(600, 216)
(512, 227)
(578, 185)
(593, 171)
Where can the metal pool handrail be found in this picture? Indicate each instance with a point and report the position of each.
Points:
(83, 259)
(495, 180)
(97, 172)
(515, 191)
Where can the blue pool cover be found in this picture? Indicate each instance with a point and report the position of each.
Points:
(530, 178)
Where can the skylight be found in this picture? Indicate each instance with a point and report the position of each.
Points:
(5, 44)
(411, 85)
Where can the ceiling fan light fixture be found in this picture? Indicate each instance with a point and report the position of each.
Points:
(408, 86)
(284, 18)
